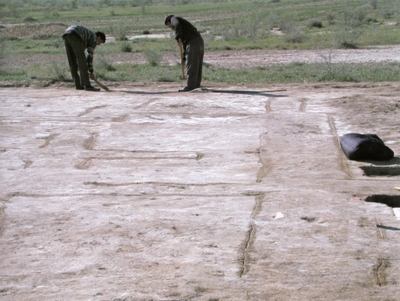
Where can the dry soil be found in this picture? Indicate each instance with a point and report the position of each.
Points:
(239, 193)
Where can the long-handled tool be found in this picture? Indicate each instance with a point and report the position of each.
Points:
(97, 82)
(183, 76)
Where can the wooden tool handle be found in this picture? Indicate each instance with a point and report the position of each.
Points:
(98, 83)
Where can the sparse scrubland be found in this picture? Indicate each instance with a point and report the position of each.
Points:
(34, 27)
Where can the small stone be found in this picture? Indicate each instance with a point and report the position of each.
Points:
(396, 212)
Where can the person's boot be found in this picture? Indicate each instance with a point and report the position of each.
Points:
(91, 88)
(185, 89)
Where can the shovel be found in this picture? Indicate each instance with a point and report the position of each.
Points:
(183, 76)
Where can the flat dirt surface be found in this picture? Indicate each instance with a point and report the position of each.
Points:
(243, 59)
(228, 193)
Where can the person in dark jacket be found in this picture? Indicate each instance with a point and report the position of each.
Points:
(78, 39)
(190, 39)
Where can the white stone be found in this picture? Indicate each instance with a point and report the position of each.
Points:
(396, 212)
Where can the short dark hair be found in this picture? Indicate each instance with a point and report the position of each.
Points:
(101, 35)
(168, 19)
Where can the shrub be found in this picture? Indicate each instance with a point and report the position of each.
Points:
(119, 32)
(347, 38)
(29, 19)
(354, 18)
(331, 19)
(294, 36)
(315, 23)
(154, 56)
(58, 69)
(126, 47)
(104, 63)
(386, 13)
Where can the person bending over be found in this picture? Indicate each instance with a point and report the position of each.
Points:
(78, 39)
(190, 39)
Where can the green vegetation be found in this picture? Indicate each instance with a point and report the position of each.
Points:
(225, 25)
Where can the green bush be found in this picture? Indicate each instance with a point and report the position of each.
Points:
(315, 23)
(154, 56)
(126, 47)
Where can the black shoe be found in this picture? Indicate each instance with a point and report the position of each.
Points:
(185, 89)
(79, 88)
(91, 88)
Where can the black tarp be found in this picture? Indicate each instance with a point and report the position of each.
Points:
(365, 147)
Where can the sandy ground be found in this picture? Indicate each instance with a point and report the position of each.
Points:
(143, 193)
(241, 59)
(147, 194)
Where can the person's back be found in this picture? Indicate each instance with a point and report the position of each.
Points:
(87, 36)
(184, 29)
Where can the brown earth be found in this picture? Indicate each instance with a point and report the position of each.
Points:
(242, 59)
(240, 193)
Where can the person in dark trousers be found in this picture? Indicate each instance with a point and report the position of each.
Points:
(78, 39)
(190, 39)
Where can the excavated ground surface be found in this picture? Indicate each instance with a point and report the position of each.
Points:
(143, 193)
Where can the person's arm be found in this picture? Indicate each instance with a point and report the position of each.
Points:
(182, 51)
(91, 45)
(89, 60)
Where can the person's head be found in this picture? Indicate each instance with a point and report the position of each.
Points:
(101, 37)
(167, 21)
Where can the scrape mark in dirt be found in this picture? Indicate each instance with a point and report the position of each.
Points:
(111, 204)
(363, 222)
(9, 197)
(262, 172)
(146, 103)
(48, 140)
(381, 231)
(250, 235)
(343, 162)
(87, 111)
(265, 167)
(268, 106)
(308, 219)
(199, 156)
(154, 118)
(254, 193)
(379, 271)
(303, 105)
(257, 205)
(5, 289)
(27, 163)
(120, 118)
(179, 185)
(84, 165)
(89, 143)
(2, 219)
(244, 256)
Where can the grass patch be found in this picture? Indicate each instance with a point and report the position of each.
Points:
(225, 25)
(291, 73)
